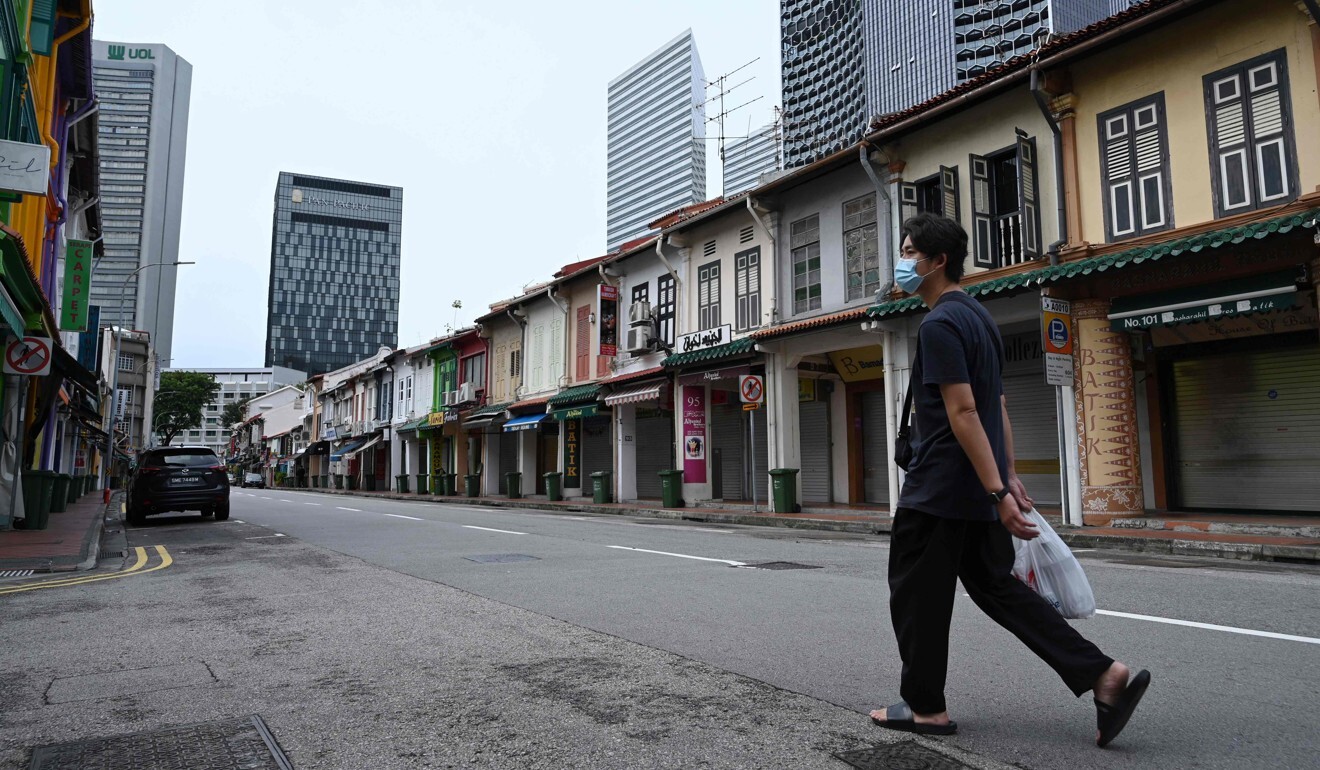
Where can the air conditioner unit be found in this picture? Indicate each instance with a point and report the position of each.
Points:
(639, 313)
(447, 398)
(467, 393)
(639, 339)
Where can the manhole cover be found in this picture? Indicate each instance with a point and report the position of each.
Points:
(779, 565)
(242, 744)
(900, 756)
(501, 558)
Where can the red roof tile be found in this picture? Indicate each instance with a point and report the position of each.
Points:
(630, 376)
(811, 323)
(574, 267)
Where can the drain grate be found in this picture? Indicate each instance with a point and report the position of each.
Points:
(905, 755)
(229, 744)
(779, 565)
(501, 558)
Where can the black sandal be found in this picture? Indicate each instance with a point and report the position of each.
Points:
(1112, 719)
(899, 717)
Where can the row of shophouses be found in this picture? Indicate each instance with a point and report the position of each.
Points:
(52, 400)
(1143, 199)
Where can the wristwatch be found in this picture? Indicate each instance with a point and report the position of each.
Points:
(994, 498)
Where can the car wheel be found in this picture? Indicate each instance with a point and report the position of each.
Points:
(136, 516)
(222, 512)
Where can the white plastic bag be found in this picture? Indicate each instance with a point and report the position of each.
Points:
(1047, 566)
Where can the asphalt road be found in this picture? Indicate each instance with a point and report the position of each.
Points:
(1236, 688)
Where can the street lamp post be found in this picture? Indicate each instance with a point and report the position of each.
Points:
(108, 461)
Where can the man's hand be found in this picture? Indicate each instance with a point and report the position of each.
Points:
(1013, 519)
(1025, 503)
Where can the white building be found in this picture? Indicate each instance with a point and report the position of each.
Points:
(235, 386)
(746, 159)
(656, 156)
(143, 91)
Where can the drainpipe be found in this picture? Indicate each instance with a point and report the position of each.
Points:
(884, 215)
(550, 295)
(659, 241)
(1037, 90)
(773, 261)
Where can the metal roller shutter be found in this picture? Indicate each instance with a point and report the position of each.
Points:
(1247, 430)
(814, 437)
(726, 445)
(596, 454)
(875, 455)
(508, 457)
(761, 457)
(655, 452)
(1033, 414)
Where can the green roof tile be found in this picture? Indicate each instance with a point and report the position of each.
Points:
(737, 347)
(1134, 256)
(571, 395)
(489, 409)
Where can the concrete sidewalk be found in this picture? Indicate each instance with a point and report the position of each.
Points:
(69, 542)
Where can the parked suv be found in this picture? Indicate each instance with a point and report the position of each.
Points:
(178, 479)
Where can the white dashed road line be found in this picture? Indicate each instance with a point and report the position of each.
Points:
(311, 503)
(730, 562)
(355, 510)
(488, 529)
(401, 516)
(1210, 626)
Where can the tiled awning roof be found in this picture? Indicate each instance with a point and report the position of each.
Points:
(485, 411)
(811, 323)
(1211, 239)
(408, 427)
(735, 348)
(574, 394)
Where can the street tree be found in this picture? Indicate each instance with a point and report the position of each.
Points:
(233, 413)
(180, 401)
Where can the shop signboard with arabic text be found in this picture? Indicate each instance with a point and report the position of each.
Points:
(706, 338)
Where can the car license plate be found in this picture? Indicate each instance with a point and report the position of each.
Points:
(179, 481)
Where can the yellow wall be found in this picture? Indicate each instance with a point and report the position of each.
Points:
(1174, 60)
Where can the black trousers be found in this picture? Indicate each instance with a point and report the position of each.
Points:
(927, 554)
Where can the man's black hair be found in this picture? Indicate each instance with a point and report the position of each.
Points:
(933, 235)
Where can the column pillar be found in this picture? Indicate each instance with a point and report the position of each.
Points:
(1108, 442)
(1066, 116)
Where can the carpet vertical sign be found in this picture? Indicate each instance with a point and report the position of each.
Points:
(77, 282)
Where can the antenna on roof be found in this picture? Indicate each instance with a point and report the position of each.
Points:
(722, 88)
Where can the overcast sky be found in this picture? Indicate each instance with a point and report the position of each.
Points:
(491, 116)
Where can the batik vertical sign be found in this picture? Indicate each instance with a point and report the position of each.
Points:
(77, 280)
(607, 307)
(572, 442)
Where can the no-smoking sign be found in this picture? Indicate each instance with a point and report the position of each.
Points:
(751, 388)
(28, 356)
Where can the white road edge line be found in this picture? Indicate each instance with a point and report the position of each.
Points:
(1210, 627)
(401, 516)
(488, 529)
(342, 508)
(730, 562)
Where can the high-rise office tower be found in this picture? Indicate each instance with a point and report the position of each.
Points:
(334, 272)
(845, 62)
(143, 91)
(747, 158)
(656, 148)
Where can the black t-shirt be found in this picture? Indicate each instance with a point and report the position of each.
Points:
(959, 343)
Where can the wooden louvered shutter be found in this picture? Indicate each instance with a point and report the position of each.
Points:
(949, 192)
(583, 348)
(982, 224)
(907, 201)
(1028, 196)
(538, 357)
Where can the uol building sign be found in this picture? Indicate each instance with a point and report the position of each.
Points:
(121, 52)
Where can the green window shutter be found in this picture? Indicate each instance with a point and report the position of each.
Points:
(42, 31)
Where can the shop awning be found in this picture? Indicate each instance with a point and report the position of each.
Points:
(526, 422)
(409, 427)
(348, 448)
(744, 346)
(374, 441)
(576, 412)
(636, 394)
(1256, 294)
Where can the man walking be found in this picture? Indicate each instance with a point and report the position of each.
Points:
(961, 501)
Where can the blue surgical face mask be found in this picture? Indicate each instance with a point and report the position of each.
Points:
(905, 275)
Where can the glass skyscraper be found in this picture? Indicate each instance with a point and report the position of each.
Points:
(143, 92)
(334, 272)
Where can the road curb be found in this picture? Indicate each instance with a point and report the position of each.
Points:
(1075, 538)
